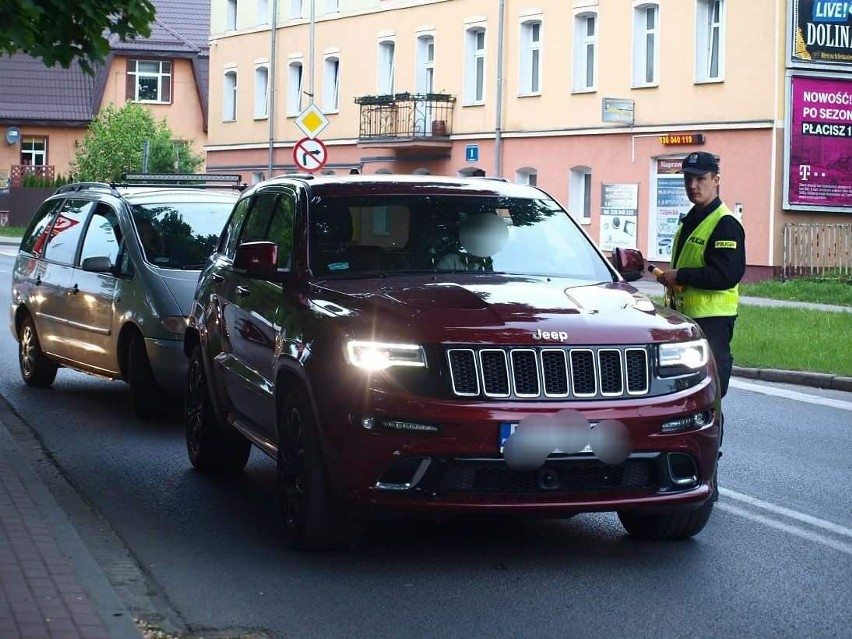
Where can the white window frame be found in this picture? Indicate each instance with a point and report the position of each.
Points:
(229, 96)
(295, 78)
(526, 175)
(425, 72)
(585, 46)
(261, 92)
(386, 66)
(476, 41)
(646, 45)
(530, 66)
(331, 84)
(231, 16)
(162, 77)
(332, 6)
(296, 9)
(580, 194)
(262, 12)
(34, 148)
(709, 41)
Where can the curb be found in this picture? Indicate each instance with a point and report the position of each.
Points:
(799, 378)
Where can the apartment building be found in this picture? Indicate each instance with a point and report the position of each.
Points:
(595, 101)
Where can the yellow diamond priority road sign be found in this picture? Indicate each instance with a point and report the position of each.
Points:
(312, 121)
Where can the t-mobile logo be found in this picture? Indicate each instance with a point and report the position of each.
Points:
(805, 172)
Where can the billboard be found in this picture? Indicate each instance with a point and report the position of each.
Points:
(818, 162)
(821, 33)
(619, 216)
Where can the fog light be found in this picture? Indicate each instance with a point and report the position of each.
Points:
(698, 420)
(368, 423)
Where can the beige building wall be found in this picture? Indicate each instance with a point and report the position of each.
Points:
(61, 148)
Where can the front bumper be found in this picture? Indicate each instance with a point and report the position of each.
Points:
(168, 363)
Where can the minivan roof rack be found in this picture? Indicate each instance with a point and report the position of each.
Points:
(80, 186)
(193, 180)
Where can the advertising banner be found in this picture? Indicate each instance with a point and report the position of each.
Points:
(671, 204)
(819, 145)
(619, 214)
(822, 32)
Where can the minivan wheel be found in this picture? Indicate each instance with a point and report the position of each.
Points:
(36, 369)
(212, 447)
(148, 400)
(664, 526)
(313, 519)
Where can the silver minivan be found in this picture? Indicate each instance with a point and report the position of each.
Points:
(104, 280)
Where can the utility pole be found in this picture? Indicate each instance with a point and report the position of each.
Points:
(271, 87)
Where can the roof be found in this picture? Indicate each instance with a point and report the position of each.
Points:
(31, 92)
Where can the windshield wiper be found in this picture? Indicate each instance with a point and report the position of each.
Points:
(193, 267)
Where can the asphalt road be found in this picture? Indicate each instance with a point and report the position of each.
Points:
(202, 555)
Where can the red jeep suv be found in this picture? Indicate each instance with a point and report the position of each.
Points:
(409, 346)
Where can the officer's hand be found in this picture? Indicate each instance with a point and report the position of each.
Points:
(668, 278)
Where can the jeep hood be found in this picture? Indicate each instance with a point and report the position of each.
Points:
(502, 309)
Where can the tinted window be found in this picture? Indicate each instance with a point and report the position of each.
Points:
(260, 217)
(36, 235)
(231, 233)
(103, 235)
(66, 231)
(271, 218)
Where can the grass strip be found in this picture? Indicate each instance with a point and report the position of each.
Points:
(823, 291)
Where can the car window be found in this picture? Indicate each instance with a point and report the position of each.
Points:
(102, 236)
(66, 231)
(271, 218)
(35, 236)
(259, 217)
(231, 232)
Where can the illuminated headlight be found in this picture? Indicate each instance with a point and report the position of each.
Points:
(377, 356)
(175, 324)
(683, 356)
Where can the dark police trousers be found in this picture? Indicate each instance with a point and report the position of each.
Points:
(719, 331)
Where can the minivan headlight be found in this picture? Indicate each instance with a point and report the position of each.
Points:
(683, 357)
(377, 356)
(175, 324)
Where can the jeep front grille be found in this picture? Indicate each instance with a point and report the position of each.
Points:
(549, 372)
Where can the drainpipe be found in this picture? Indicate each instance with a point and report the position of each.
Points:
(271, 89)
(498, 124)
(312, 45)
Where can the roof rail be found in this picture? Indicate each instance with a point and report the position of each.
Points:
(80, 186)
(491, 177)
(193, 180)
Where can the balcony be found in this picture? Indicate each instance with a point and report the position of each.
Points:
(20, 172)
(406, 120)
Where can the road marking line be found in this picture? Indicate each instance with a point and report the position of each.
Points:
(792, 514)
(793, 530)
(789, 394)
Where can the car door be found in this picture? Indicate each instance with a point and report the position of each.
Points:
(91, 295)
(249, 311)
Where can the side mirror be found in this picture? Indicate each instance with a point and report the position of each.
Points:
(257, 259)
(98, 264)
(629, 262)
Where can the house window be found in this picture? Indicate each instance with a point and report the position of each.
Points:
(332, 6)
(580, 194)
(645, 44)
(295, 9)
(261, 92)
(526, 175)
(331, 85)
(530, 63)
(229, 97)
(263, 11)
(257, 176)
(34, 151)
(149, 81)
(387, 67)
(294, 89)
(475, 66)
(425, 64)
(231, 17)
(585, 46)
(709, 40)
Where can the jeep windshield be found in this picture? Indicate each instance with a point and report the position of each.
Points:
(180, 235)
(391, 234)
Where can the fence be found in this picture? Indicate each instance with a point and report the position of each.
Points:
(817, 250)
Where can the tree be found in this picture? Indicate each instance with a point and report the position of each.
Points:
(61, 31)
(114, 144)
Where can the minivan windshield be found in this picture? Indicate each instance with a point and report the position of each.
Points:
(388, 234)
(180, 235)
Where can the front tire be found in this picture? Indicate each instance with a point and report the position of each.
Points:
(313, 518)
(212, 447)
(665, 526)
(148, 400)
(36, 369)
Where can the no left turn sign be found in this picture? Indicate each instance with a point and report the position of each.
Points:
(310, 154)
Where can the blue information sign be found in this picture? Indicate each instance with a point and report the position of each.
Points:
(471, 153)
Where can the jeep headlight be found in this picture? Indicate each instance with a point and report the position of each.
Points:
(377, 356)
(683, 357)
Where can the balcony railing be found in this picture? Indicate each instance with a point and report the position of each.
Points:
(406, 117)
(21, 171)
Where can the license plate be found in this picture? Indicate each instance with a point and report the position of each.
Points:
(507, 428)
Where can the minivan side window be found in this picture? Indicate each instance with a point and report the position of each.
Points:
(102, 236)
(231, 232)
(36, 236)
(66, 231)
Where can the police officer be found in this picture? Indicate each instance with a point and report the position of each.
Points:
(708, 260)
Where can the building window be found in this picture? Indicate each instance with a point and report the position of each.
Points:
(332, 6)
(425, 64)
(34, 151)
(645, 44)
(261, 92)
(585, 46)
(530, 62)
(294, 88)
(331, 85)
(709, 40)
(149, 81)
(580, 194)
(263, 11)
(257, 176)
(526, 175)
(474, 88)
(387, 67)
(295, 9)
(229, 97)
(231, 18)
